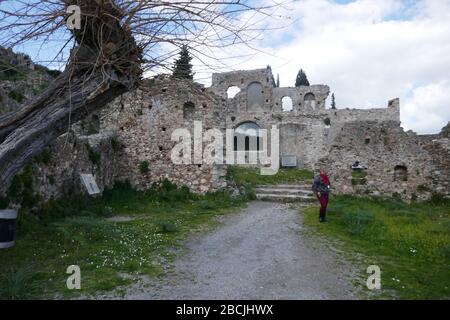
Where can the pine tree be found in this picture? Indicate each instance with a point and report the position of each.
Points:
(278, 80)
(301, 80)
(333, 101)
(183, 66)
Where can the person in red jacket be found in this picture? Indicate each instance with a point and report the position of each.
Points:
(322, 188)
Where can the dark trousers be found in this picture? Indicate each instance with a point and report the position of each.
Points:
(323, 199)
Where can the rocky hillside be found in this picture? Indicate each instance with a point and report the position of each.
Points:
(20, 79)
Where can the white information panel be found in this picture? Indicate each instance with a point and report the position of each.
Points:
(89, 183)
(288, 161)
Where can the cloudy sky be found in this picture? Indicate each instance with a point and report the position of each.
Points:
(367, 51)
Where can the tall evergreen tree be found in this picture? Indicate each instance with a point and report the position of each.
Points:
(278, 80)
(274, 84)
(333, 101)
(183, 66)
(301, 80)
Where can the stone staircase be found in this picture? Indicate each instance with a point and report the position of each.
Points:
(285, 193)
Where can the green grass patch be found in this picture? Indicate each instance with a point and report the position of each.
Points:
(75, 231)
(144, 166)
(359, 177)
(410, 242)
(251, 176)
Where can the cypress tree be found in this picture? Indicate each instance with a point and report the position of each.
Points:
(333, 101)
(301, 80)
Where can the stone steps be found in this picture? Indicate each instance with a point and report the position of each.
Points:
(286, 186)
(285, 193)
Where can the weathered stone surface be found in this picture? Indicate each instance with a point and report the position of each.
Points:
(137, 127)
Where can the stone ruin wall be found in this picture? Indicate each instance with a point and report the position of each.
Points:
(144, 121)
(304, 123)
(137, 127)
(336, 138)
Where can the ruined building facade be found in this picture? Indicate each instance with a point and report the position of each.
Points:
(130, 139)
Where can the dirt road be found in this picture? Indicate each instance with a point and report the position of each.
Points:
(261, 252)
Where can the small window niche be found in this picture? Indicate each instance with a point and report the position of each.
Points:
(400, 173)
(188, 110)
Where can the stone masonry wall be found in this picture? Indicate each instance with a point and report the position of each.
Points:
(71, 155)
(144, 121)
(137, 127)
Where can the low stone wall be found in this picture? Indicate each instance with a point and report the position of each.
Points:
(68, 157)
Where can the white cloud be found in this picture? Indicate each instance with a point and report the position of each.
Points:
(427, 107)
(367, 52)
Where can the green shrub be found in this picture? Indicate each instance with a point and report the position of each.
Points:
(94, 155)
(115, 144)
(167, 227)
(358, 222)
(91, 129)
(439, 199)
(422, 188)
(204, 205)
(144, 166)
(169, 192)
(19, 97)
(44, 157)
(107, 211)
(396, 196)
(54, 73)
(21, 189)
(17, 284)
(447, 252)
(249, 192)
(359, 178)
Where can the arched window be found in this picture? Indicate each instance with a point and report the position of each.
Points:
(255, 95)
(310, 101)
(286, 104)
(232, 92)
(247, 137)
(400, 173)
(188, 110)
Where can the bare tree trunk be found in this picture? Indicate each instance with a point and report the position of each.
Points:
(105, 64)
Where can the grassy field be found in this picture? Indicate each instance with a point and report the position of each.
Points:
(409, 242)
(78, 232)
(250, 176)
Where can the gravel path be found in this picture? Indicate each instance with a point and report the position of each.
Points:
(261, 252)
